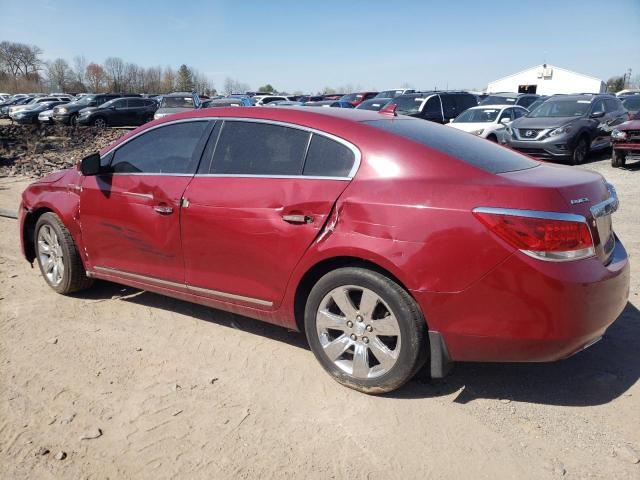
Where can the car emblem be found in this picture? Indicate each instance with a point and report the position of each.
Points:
(529, 133)
(579, 200)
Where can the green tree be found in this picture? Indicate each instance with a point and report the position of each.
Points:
(185, 79)
(615, 84)
(268, 88)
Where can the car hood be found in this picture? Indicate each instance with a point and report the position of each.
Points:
(630, 125)
(471, 126)
(88, 109)
(542, 122)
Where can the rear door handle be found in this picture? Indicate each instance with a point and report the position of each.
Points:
(163, 209)
(297, 219)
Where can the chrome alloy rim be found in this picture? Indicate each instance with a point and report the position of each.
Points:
(50, 254)
(100, 123)
(358, 331)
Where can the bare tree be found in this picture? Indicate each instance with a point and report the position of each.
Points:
(114, 68)
(168, 80)
(234, 86)
(60, 74)
(153, 79)
(95, 77)
(20, 63)
(80, 68)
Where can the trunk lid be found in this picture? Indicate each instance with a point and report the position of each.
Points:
(580, 192)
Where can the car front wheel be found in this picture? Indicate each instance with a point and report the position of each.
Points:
(58, 257)
(580, 151)
(365, 330)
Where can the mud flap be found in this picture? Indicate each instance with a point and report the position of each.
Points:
(440, 361)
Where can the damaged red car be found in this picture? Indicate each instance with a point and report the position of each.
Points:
(390, 241)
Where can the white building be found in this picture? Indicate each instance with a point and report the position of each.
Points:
(547, 80)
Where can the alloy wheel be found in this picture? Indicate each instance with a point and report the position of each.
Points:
(100, 123)
(358, 331)
(50, 254)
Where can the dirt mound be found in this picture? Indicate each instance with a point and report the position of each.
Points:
(37, 151)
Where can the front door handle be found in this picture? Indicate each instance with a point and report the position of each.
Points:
(163, 209)
(297, 219)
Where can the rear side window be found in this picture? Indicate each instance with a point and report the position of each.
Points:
(432, 107)
(135, 102)
(328, 158)
(448, 105)
(612, 105)
(168, 149)
(472, 150)
(249, 148)
(632, 103)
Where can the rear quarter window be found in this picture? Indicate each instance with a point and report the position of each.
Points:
(328, 158)
(475, 151)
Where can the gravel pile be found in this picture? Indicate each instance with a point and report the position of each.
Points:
(37, 151)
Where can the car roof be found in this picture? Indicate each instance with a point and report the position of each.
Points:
(496, 106)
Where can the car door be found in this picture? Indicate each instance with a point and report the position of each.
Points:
(118, 113)
(257, 205)
(598, 118)
(130, 218)
(135, 111)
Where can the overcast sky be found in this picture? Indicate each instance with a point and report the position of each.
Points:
(307, 45)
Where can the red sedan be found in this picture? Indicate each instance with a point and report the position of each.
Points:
(390, 241)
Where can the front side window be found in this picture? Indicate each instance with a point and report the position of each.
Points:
(478, 115)
(167, 149)
(251, 148)
(598, 107)
(328, 158)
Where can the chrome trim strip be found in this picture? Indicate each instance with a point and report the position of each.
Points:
(356, 151)
(569, 217)
(148, 196)
(298, 177)
(608, 206)
(206, 291)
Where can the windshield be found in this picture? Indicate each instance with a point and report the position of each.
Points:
(498, 100)
(536, 104)
(86, 100)
(478, 115)
(562, 108)
(350, 97)
(408, 104)
(177, 102)
(108, 104)
(374, 104)
(389, 94)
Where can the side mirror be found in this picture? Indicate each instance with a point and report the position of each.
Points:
(112, 107)
(597, 115)
(505, 120)
(451, 120)
(90, 165)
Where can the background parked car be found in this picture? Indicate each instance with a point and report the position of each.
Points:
(488, 121)
(522, 99)
(330, 103)
(32, 115)
(540, 100)
(119, 112)
(375, 103)
(260, 100)
(177, 102)
(394, 93)
(68, 114)
(34, 101)
(625, 140)
(356, 98)
(434, 106)
(224, 102)
(567, 126)
(632, 104)
(4, 107)
(310, 98)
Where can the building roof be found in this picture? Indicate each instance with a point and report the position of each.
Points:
(542, 66)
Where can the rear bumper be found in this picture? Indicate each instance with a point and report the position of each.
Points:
(527, 310)
(61, 118)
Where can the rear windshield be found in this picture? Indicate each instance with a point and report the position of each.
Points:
(472, 150)
(498, 100)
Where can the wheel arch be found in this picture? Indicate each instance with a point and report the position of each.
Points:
(326, 265)
(28, 230)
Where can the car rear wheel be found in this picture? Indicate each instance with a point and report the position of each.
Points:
(365, 330)
(492, 138)
(580, 151)
(618, 158)
(100, 122)
(58, 257)
(73, 120)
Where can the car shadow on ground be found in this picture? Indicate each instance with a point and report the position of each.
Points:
(595, 376)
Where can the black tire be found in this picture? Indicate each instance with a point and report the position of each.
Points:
(413, 340)
(492, 138)
(74, 277)
(73, 119)
(618, 158)
(580, 151)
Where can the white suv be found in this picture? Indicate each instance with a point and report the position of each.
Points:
(488, 121)
(261, 100)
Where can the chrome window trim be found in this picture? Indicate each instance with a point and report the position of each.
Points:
(568, 217)
(168, 283)
(355, 150)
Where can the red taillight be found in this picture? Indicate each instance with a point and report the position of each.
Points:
(546, 238)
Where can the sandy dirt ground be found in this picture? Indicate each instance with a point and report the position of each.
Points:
(129, 384)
